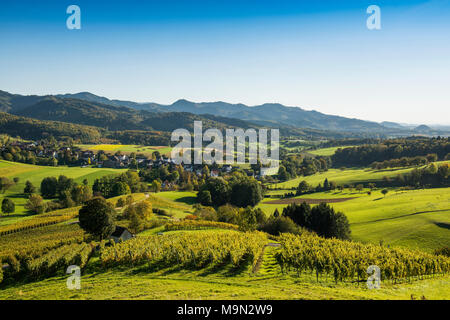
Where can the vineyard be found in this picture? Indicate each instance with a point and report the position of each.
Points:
(199, 225)
(195, 250)
(54, 217)
(43, 251)
(59, 259)
(35, 242)
(345, 260)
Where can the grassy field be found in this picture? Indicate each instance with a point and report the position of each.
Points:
(177, 204)
(347, 176)
(414, 218)
(218, 283)
(326, 151)
(126, 148)
(35, 174)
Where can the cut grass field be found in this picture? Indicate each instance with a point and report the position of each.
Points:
(347, 176)
(36, 174)
(177, 204)
(217, 282)
(414, 218)
(126, 148)
(326, 151)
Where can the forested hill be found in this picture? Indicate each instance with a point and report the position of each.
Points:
(271, 114)
(120, 118)
(33, 129)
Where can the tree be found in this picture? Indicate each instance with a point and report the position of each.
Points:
(283, 174)
(81, 194)
(120, 188)
(120, 203)
(142, 209)
(136, 223)
(97, 218)
(204, 197)
(219, 190)
(246, 192)
(302, 187)
(384, 192)
(156, 186)
(328, 223)
(276, 213)
(64, 185)
(228, 214)
(29, 188)
(5, 184)
(359, 187)
(206, 213)
(326, 184)
(49, 187)
(299, 213)
(8, 206)
(85, 182)
(247, 219)
(277, 225)
(35, 204)
(16, 180)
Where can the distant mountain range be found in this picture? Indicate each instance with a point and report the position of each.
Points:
(89, 109)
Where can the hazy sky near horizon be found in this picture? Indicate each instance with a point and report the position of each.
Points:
(312, 54)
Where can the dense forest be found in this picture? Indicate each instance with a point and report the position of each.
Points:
(391, 149)
(33, 129)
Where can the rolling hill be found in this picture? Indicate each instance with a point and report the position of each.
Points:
(127, 115)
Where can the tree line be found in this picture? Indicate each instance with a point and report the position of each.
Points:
(391, 149)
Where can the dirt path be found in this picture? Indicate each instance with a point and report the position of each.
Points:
(263, 254)
(308, 201)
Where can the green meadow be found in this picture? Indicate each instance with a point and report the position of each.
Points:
(326, 151)
(36, 174)
(414, 218)
(126, 148)
(347, 176)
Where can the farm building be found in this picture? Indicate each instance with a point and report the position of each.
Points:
(121, 234)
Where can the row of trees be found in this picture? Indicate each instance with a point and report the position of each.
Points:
(321, 219)
(296, 165)
(405, 162)
(238, 190)
(391, 149)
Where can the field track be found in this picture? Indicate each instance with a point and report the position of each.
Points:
(308, 201)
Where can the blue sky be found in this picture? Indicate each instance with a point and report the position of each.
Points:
(313, 54)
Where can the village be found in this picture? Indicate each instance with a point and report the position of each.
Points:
(50, 153)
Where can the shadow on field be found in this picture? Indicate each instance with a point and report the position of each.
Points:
(443, 225)
(17, 196)
(187, 200)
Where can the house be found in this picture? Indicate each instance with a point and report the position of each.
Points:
(226, 168)
(214, 173)
(121, 234)
(268, 171)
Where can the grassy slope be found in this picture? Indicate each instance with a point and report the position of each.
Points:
(222, 283)
(347, 176)
(125, 148)
(415, 218)
(35, 174)
(326, 151)
(177, 204)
